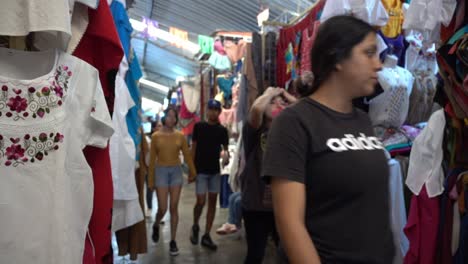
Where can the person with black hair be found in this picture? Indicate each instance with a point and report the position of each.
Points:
(328, 172)
(209, 140)
(257, 211)
(165, 172)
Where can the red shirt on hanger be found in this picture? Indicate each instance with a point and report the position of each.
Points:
(101, 47)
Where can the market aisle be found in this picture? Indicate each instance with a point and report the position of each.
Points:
(231, 249)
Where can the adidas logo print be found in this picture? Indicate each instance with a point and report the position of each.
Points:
(352, 143)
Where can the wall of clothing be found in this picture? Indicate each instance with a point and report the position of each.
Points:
(68, 86)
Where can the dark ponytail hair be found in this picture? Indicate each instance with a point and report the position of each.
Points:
(335, 40)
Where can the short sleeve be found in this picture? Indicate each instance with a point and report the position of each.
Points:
(286, 152)
(91, 116)
(100, 123)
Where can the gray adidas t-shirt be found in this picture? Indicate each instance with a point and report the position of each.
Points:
(345, 172)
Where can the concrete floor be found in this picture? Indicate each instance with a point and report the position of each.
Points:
(231, 249)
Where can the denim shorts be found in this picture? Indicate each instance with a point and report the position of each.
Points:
(168, 176)
(208, 183)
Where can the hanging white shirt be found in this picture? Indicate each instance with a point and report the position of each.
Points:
(371, 11)
(425, 165)
(122, 148)
(126, 209)
(427, 16)
(46, 185)
(51, 19)
(390, 108)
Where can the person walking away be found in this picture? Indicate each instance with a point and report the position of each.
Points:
(256, 196)
(165, 172)
(329, 174)
(209, 139)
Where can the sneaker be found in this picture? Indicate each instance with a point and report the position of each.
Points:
(208, 243)
(174, 250)
(226, 229)
(194, 237)
(155, 235)
(148, 213)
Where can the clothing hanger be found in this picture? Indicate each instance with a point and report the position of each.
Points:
(89, 3)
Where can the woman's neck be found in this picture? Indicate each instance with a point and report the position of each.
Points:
(167, 129)
(332, 95)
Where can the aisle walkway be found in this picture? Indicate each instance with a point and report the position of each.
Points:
(231, 249)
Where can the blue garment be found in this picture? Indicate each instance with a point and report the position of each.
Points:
(133, 116)
(225, 84)
(235, 209)
(124, 29)
(225, 192)
(122, 24)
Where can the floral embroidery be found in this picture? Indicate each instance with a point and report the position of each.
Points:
(29, 149)
(37, 102)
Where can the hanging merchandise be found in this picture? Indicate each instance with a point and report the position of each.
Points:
(454, 70)
(206, 44)
(395, 46)
(249, 82)
(189, 106)
(99, 45)
(181, 36)
(424, 89)
(128, 218)
(49, 19)
(308, 38)
(124, 28)
(459, 19)
(48, 115)
(287, 36)
(398, 211)
(270, 60)
(225, 83)
(390, 108)
(150, 28)
(371, 11)
(191, 94)
(219, 60)
(395, 21)
(234, 51)
(133, 240)
(427, 17)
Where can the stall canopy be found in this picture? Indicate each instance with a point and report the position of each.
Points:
(163, 62)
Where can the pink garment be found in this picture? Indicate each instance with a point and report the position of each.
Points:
(421, 229)
(218, 46)
(228, 117)
(235, 52)
(307, 44)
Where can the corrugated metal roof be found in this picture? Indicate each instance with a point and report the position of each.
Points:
(201, 17)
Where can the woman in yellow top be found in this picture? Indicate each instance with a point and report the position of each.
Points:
(166, 173)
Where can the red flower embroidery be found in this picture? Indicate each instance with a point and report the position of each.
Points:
(58, 137)
(58, 91)
(29, 148)
(18, 104)
(37, 102)
(14, 152)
